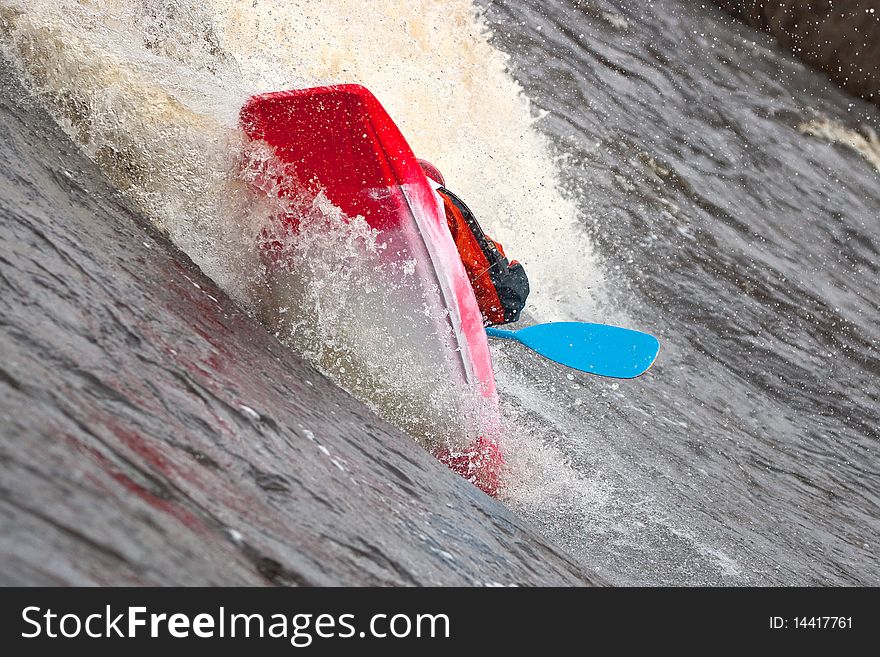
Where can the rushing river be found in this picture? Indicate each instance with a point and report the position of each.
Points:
(726, 220)
(655, 165)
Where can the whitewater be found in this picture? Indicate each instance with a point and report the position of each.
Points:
(656, 167)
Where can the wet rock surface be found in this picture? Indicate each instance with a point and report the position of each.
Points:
(841, 37)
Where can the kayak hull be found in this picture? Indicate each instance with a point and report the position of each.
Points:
(339, 141)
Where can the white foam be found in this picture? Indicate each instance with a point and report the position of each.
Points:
(151, 89)
(865, 141)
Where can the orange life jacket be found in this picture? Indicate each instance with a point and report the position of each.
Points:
(501, 286)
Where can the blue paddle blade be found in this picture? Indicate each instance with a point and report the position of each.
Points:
(595, 348)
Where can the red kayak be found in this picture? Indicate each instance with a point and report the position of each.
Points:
(339, 140)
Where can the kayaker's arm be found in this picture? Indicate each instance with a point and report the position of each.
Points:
(500, 285)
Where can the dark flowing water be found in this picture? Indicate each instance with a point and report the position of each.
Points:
(749, 454)
(692, 179)
(154, 434)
